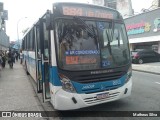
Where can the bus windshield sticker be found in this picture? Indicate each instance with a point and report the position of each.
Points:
(87, 12)
(101, 25)
(106, 63)
(82, 52)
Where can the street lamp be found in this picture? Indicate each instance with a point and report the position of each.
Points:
(18, 31)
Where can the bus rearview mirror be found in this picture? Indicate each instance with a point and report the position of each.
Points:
(49, 24)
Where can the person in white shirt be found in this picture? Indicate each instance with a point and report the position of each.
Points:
(21, 57)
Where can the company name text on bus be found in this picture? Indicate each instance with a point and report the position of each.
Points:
(78, 11)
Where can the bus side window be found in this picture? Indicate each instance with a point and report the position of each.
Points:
(38, 43)
(46, 42)
(46, 54)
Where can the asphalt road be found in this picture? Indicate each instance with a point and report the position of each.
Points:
(145, 97)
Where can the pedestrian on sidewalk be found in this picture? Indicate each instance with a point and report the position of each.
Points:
(11, 58)
(15, 57)
(3, 60)
(21, 57)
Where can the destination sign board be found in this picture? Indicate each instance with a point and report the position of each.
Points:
(87, 11)
(79, 11)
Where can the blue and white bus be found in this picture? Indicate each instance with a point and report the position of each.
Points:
(79, 56)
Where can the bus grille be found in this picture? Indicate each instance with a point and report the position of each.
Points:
(99, 77)
(93, 100)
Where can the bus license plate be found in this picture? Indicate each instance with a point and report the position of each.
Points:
(102, 96)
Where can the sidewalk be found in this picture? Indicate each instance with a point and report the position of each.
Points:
(16, 91)
(153, 68)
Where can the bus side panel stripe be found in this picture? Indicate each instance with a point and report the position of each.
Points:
(99, 86)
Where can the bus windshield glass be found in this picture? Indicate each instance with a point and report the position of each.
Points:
(91, 44)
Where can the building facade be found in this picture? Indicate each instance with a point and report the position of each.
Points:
(144, 30)
(123, 6)
(4, 39)
(155, 4)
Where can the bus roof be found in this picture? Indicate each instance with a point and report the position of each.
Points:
(81, 9)
(85, 4)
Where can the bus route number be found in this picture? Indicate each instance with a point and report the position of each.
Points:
(116, 82)
(72, 11)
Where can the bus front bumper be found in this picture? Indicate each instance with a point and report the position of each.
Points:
(69, 101)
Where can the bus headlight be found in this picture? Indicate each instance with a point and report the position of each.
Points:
(129, 74)
(66, 84)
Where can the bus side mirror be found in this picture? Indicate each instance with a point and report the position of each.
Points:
(49, 20)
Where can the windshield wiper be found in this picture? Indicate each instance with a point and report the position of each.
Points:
(91, 31)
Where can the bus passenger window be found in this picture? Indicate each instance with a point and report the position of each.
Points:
(46, 40)
(46, 53)
(39, 53)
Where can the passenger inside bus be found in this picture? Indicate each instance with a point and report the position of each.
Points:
(79, 40)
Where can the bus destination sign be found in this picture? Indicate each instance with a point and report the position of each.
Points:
(88, 12)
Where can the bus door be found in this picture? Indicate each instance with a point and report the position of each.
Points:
(38, 60)
(45, 48)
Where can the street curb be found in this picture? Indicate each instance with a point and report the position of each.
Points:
(33, 83)
(146, 71)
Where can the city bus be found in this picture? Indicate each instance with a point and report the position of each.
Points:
(78, 54)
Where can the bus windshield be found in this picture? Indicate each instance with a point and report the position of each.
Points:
(91, 44)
